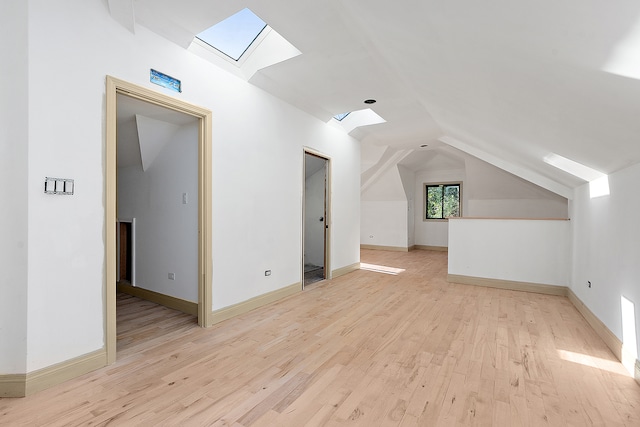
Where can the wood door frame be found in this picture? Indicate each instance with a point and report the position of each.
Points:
(114, 87)
(327, 207)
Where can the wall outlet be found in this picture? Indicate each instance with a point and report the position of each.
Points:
(267, 272)
(172, 276)
(371, 236)
(185, 198)
(589, 283)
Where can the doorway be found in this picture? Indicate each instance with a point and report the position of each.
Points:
(114, 88)
(316, 218)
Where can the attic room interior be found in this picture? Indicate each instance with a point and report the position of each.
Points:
(319, 213)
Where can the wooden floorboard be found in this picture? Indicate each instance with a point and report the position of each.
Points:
(365, 349)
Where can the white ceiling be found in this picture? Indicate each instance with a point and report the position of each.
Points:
(507, 81)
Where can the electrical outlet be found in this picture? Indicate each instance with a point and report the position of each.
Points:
(371, 236)
(172, 276)
(267, 272)
(589, 283)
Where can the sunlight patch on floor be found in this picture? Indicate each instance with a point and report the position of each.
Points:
(593, 362)
(381, 269)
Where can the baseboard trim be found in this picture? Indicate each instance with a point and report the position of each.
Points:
(431, 248)
(616, 346)
(225, 313)
(345, 270)
(609, 338)
(13, 385)
(21, 385)
(175, 303)
(385, 248)
(508, 284)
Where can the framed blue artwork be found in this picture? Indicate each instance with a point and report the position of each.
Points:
(164, 80)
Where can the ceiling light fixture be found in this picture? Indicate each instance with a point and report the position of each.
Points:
(369, 101)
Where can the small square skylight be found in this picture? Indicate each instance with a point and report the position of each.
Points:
(234, 35)
(341, 116)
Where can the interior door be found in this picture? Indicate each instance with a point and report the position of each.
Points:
(316, 221)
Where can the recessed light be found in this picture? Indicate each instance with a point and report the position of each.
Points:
(369, 101)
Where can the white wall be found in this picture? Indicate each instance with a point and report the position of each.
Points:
(518, 208)
(606, 251)
(493, 192)
(13, 174)
(533, 251)
(166, 229)
(257, 173)
(408, 179)
(384, 208)
(384, 223)
(313, 211)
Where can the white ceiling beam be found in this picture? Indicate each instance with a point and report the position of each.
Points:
(501, 163)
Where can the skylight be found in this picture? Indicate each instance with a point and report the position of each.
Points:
(598, 181)
(341, 116)
(572, 167)
(234, 35)
(354, 119)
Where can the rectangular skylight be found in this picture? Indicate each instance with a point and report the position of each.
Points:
(572, 167)
(598, 181)
(234, 35)
(341, 116)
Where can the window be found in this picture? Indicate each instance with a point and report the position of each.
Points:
(442, 200)
(234, 35)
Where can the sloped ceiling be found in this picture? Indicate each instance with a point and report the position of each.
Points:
(144, 129)
(507, 80)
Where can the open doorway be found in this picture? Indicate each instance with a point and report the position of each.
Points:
(157, 188)
(316, 218)
(199, 195)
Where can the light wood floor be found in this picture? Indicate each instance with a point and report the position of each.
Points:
(365, 349)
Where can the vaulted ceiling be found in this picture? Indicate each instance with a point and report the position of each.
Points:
(507, 81)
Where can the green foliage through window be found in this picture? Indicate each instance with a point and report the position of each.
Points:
(442, 201)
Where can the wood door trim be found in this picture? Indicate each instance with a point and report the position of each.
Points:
(116, 86)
